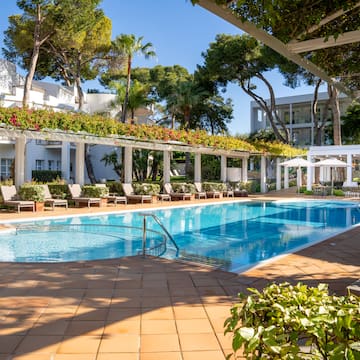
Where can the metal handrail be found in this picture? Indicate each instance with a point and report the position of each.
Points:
(157, 220)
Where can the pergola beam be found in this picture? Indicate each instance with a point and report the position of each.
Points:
(57, 135)
(328, 19)
(269, 40)
(322, 43)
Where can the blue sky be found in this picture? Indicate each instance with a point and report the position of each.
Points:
(180, 32)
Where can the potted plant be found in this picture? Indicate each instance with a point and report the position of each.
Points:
(93, 191)
(33, 192)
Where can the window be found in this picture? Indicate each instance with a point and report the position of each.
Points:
(5, 168)
(51, 164)
(58, 165)
(39, 164)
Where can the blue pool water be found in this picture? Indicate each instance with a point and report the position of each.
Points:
(234, 235)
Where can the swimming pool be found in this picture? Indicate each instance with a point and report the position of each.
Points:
(234, 236)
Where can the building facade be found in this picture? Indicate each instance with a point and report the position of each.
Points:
(295, 112)
(54, 155)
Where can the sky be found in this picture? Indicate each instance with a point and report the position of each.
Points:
(180, 33)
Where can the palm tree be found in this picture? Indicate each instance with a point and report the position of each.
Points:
(127, 46)
(137, 96)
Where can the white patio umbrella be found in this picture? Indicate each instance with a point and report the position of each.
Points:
(332, 163)
(297, 163)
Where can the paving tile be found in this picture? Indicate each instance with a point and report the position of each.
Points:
(81, 328)
(152, 301)
(199, 342)
(164, 313)
(162, 356)
(119, 314)
(74, 357)
(193, 326)
(39, 343)
(119, 356)
(127, 343)
(122, 327)
(189, 312)
(79, 345)
(57, 327)
(159, 343)
(8, 343)
(158, 327)
(208, 355)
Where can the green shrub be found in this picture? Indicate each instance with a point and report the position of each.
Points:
(45, 176)
(295, 322)
(115, 187)
(213, 186)
(337, 192)
(59, 190)
(146, 189)
(183, 188)
(32, 192)
(251, 186)
(94, 191)
(308, 192)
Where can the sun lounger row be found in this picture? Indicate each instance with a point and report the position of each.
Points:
(81, 197)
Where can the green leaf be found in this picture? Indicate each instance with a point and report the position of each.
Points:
(247, 333)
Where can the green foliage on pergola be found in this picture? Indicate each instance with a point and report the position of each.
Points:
(79, 123)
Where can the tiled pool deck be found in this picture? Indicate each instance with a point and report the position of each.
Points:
(147, 309)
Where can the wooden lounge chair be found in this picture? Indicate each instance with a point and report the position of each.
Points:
(75, 191)
(11, 198)
(174, 195)
(49, 200)
(113, 197)
(131, 196)
(199, 193)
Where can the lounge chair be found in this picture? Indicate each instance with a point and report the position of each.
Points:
(229, 192)
(49, 200)
(131, 196)
(176, 195)
(11, 198)
(75, 191)
(199, 193)
(113, 197)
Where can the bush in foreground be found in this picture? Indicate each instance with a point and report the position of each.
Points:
(295, 322)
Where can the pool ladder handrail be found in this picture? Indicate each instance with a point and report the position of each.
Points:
(157, 220)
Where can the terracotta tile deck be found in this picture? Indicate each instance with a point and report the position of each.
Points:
(148, 309)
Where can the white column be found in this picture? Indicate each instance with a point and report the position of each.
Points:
(20, 144)
(348, 181)
(244, 170)
(263, 174)
(197, 167)
(286, 177)
(223, 166)
(278, 174)
(79, 163)
(166, 165)
(309, 175)
(127, 166)
(65, 161)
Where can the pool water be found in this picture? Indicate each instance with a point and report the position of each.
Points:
(234, 236)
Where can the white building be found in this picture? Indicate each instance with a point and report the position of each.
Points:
(53, 155)
(295, 111)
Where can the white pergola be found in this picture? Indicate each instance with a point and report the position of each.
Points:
(348, 152)
(128, 143)
(293, 48)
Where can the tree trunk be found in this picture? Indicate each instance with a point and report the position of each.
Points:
(88, 163)
(78, 83)
(126, 99)
(335, 108)
(269, 110)
(34, 58)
